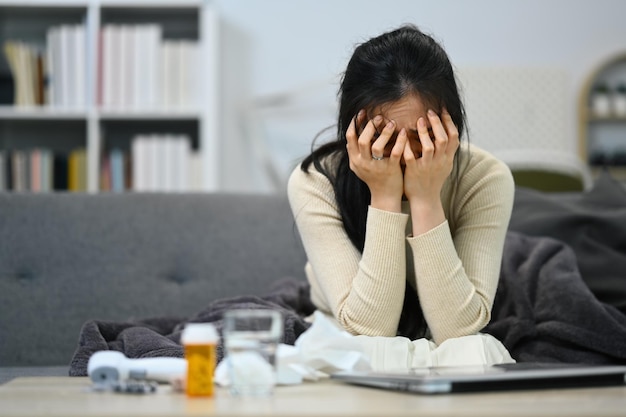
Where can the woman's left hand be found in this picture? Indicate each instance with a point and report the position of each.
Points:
(424, 176)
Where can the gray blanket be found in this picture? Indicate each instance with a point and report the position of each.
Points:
(160, 336)
(543, 312)
(592, 223)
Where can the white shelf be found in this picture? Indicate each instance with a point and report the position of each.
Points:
(174, 4)
(604, 119)
(165, 114)
(602, 139)
(195, 20)
(45, 3)
(41, 113)
(51, 113)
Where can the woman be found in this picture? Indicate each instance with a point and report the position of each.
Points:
(397, 219)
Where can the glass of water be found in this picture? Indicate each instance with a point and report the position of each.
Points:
(251, 338)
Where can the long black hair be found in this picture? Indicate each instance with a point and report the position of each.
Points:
(383, 70)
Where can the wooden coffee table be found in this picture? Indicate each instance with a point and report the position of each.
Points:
(68, 397)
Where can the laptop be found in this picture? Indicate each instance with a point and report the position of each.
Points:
(515, 376)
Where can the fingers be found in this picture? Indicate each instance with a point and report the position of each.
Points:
(368, 142)
(438, 135)
(378, 147)
(366, 137)
(407, 151)
(441, 136)
(402, 141)
(452, 131)
(428, 147)
(353, 136)
(444, 131)
(351, 132)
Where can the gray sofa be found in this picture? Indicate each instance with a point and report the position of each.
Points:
(69, 258)
(66, 259)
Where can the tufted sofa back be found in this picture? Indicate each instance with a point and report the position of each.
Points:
(68, 258)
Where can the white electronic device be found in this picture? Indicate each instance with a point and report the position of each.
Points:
(108, 368)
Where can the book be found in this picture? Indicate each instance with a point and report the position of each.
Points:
(161, 162)
(53, 67)
(118, 167)
(140, 166)
(195, 172)
(46, 170)
(77, 170)
(107, 67)
(153, 34)
(124, 83)
(167, 162)
(35, 170)
(60, 169)
(165, 74)
(78, 61)
(105, 173)
(20, 57)
(19, 170)
(66, 69)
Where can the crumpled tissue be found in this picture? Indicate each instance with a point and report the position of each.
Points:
(325, 348)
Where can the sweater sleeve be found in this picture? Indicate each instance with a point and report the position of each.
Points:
(457, 273)
(364, 292)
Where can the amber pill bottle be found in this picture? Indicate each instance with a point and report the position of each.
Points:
(200, 344)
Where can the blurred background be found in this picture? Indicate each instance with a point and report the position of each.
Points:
(281, 61)
(228, 95)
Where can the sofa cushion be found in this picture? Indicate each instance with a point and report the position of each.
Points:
(68, 258)
(592, 223)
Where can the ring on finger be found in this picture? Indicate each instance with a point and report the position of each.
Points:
(378, 158)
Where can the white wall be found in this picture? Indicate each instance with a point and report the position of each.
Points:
(270, 46)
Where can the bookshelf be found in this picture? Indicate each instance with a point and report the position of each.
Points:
(602, 117)
(100, 76)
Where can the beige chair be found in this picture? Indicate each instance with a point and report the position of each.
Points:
(279, 129)
(521, 116)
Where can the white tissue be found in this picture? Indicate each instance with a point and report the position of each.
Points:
(325, 348)
(253, 368)
(322, 349)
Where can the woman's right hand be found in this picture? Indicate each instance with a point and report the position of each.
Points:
(383, 176)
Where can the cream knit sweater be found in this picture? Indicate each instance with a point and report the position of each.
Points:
(454, 267)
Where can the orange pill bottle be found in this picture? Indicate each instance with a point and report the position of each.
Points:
(200, 343)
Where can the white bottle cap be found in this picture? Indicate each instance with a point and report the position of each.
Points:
(199, 333)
